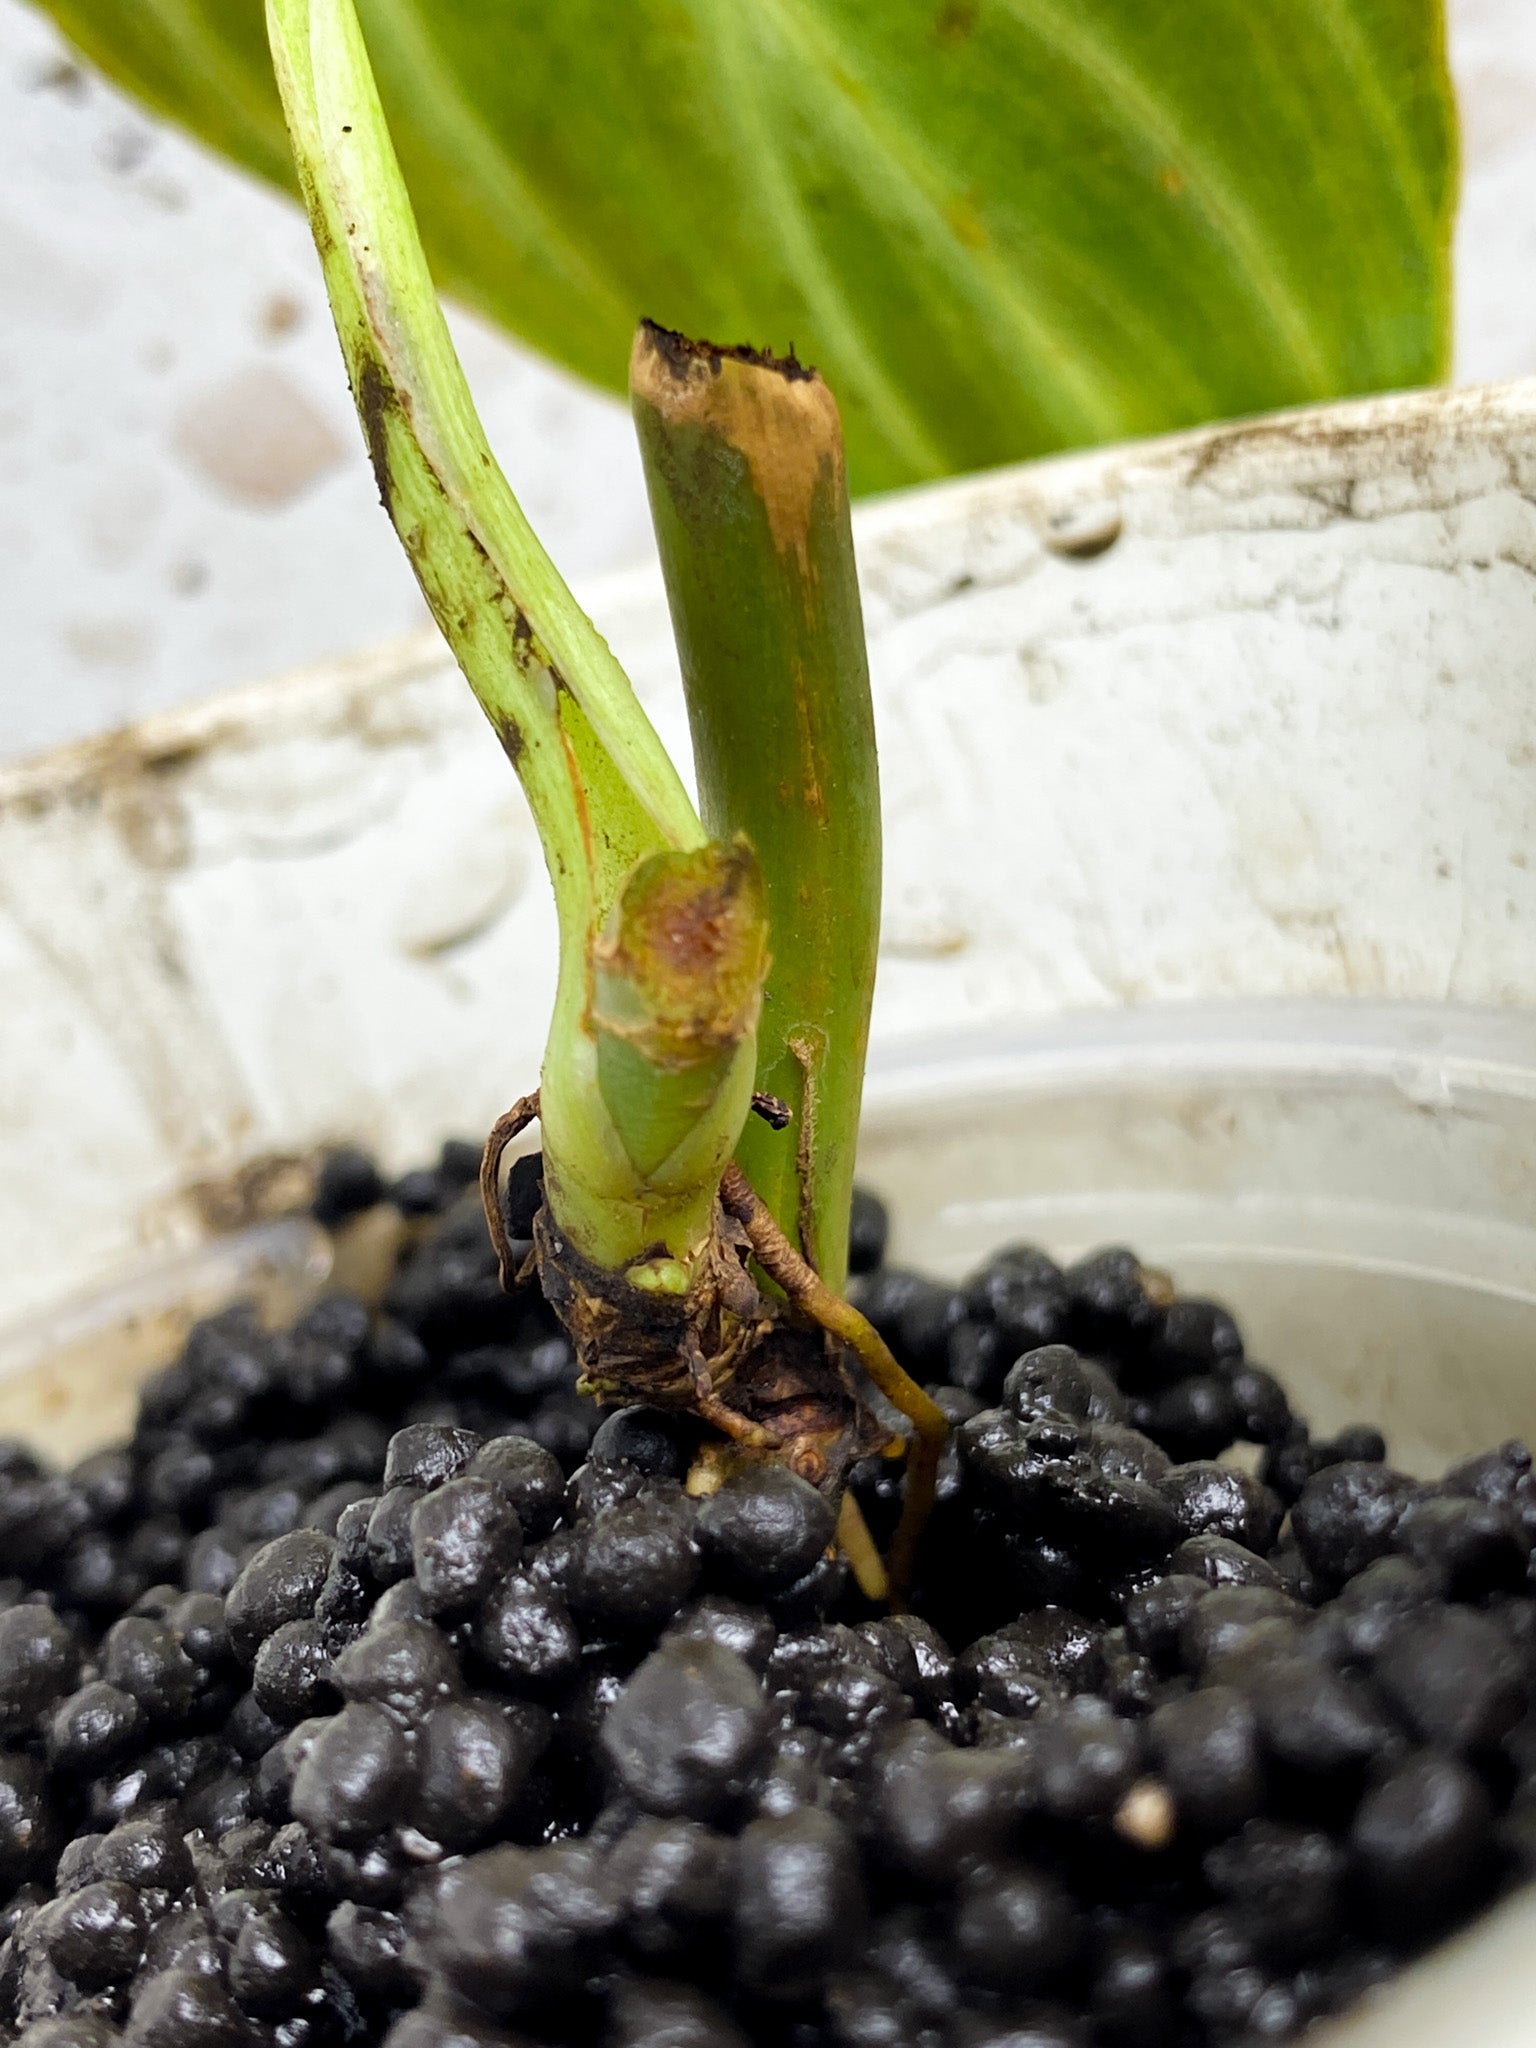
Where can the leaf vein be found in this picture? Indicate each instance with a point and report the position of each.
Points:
(1206, 183)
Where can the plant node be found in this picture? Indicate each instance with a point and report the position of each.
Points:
(777, 1383)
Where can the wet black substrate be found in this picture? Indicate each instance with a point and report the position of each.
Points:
(366, 1693)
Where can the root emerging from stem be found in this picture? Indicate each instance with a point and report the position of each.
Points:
(807, 1291)
(768, 1380)
(775, 1377)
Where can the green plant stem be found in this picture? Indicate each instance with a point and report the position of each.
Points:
(605, 797)
(744, 462)
(676, 987)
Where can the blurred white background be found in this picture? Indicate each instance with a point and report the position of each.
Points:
(184, 502)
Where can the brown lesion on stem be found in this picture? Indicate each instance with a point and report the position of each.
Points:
(679, 969)
(510, 733)
(377, 403)
(806, 1059)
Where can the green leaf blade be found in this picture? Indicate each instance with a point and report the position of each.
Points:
(999, 227)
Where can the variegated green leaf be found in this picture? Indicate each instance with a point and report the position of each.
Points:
(998, 226)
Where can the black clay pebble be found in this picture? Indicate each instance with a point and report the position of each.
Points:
(280, 1583)
(798, 1903)
(38, 1661)
(1420, 1844)
(686, 1729)
(382, 1690)
(464, 1536)
(766, 1527)
(633, 1565)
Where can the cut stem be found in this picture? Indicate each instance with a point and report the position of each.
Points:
(744, 462)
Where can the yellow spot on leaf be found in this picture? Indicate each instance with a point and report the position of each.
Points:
(956, 20)
(965, 222)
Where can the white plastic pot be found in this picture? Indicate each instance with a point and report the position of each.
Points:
(1210, 791)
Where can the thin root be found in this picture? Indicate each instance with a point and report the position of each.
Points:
(740, 1428)
(782, 1263)
(858, 1546)
(503, 1131)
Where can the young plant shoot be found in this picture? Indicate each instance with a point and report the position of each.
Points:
(707, 967)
